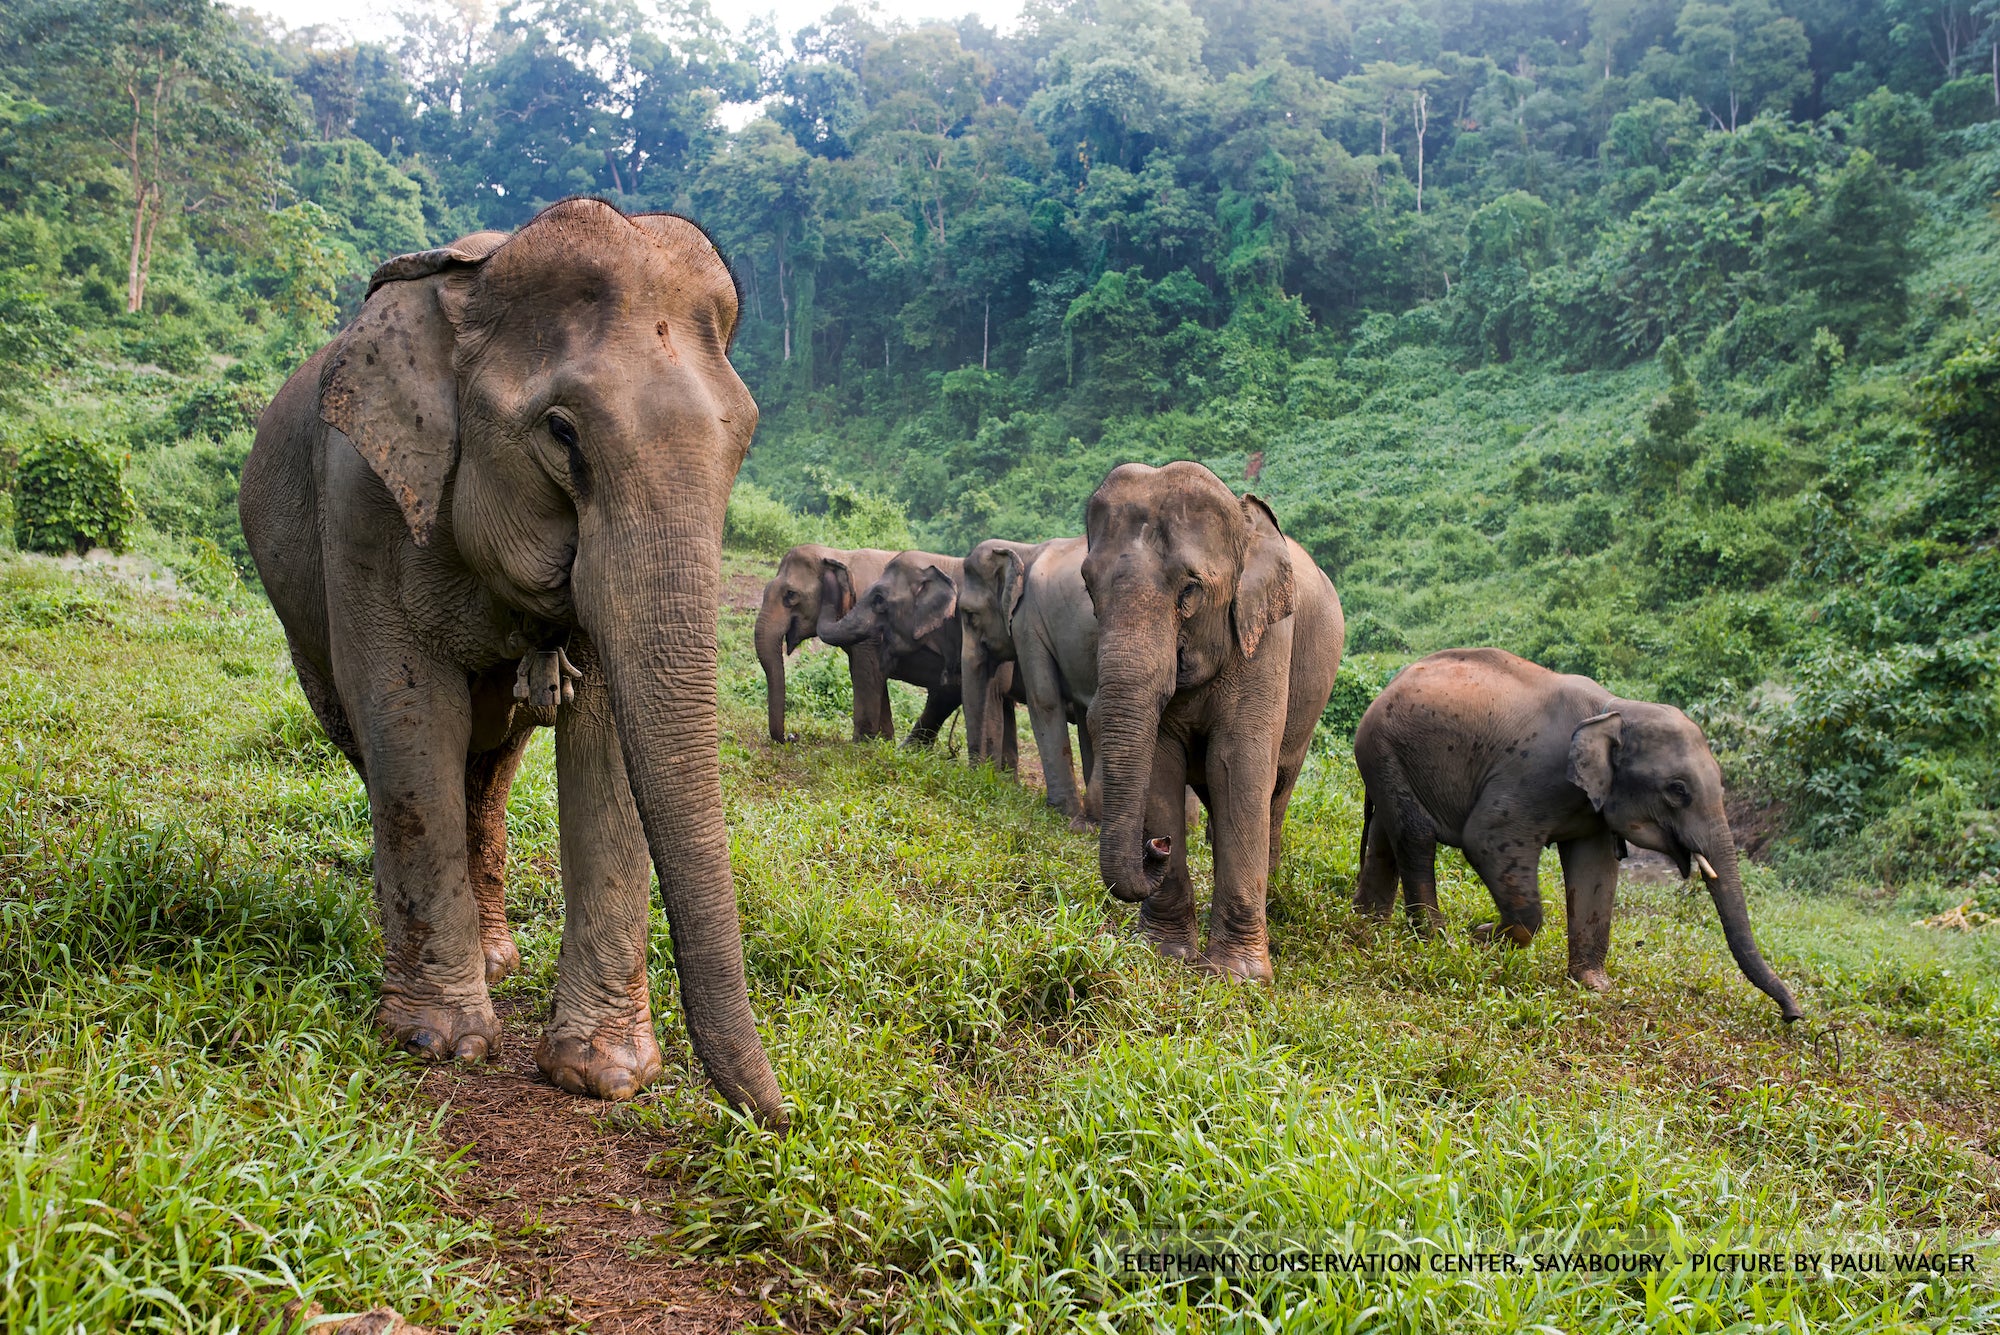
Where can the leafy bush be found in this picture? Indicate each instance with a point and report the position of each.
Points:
(1359, 682)
(70, 496)
(1960, 405)
(757, 521)
(217, 408)
(172, 343)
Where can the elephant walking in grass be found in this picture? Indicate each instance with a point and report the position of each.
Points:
(910, 616)
(1026, 603)
(1218, 642)
(795, 604)
(1501, 757)
(495, 502)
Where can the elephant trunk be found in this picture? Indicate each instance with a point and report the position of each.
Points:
(975, 673)
(1135, 681)
(647, 589)
(772, 621)
(844, 632)
(1726, 889)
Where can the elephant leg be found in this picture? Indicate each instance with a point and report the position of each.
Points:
(599, 1042)
(1281, 802)
(871, 693)
(1049, 721)
(489, 777)
(1242, 777)
(1375, 879)
(413, 726)
(938, 708)
(1010, 738)
(317, 684)
(1590, 888)
(1509, 863)
(1166, 917)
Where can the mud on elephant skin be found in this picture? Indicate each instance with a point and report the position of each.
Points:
(1501, 757)
(507, 477)
(1026, 604)
(910, 615)
(791, 614)
(1218, 642)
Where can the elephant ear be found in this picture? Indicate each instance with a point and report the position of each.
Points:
(1014, 586)
(836, 589)
(936, 602)
(390, 386)
(1593, 755)
(1264, 595)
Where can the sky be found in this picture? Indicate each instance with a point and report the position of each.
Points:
(366, 19)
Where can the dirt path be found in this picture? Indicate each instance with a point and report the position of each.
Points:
(579, 1226)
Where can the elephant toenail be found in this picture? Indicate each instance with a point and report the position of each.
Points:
(471, 1048)
(425, 1043)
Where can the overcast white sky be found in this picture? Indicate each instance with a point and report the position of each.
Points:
(369, 18)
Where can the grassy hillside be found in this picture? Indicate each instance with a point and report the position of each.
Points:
(990, 1081)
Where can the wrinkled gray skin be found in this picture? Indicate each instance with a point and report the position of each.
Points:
(522, 443)
(1501, 757)
(791, 615)
(1026, 603)
(910, 614)
(1218, 642)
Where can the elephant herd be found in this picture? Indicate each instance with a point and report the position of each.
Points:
(494, 502)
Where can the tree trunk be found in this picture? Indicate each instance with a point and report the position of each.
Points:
(1423, 121)
(986, 333)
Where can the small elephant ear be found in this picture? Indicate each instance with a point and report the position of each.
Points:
(1593, 755)
(836, 588)
(937, 602)
(1264, 595)
(390, 387)
(1014, 586)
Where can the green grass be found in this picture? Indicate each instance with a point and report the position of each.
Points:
(991, 1082)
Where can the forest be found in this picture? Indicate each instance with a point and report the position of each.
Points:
(1651, 341)
(1655, 340)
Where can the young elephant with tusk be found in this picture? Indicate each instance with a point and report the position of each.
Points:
(1500, 757)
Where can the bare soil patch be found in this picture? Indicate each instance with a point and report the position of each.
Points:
(580, 1227)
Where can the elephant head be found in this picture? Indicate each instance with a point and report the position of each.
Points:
(790, 615)
(558, 408)
(1185, 578)
(1647, 770)
(912, 610)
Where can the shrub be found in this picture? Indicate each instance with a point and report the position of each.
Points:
(757, 521)
(216, 408)
(70, 496)
(1354, 690)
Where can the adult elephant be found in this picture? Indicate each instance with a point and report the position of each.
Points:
(1218, 642)
(1026, 604)
(910, 614)
(791, 613)
(1501, 757)
(495, 501)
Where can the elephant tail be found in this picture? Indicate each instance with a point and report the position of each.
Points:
(1367, 819)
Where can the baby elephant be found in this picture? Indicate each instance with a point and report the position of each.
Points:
(1501, 757)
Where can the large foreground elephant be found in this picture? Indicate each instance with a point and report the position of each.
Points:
(795, 602)
(1026, 604)
(1218, 642)
(495, 501)
(1501, 757)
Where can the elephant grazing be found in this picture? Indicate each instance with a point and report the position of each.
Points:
(1025, 603)
(1501, 757)
(1218, 642)
(493, 502)
(794, 605)
(910, 615)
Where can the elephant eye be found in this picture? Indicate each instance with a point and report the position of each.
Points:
(1189, 592)
(563, 430)
(1678, 793)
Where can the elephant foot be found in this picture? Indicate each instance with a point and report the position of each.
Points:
(1593, 978)
(1175, 939)
(503, 957)
(614, 1062)
(1081, 824)
(1492, 933)
(439, 1032)
(1243, 965)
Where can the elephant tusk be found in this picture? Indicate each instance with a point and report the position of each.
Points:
(1706, 870)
